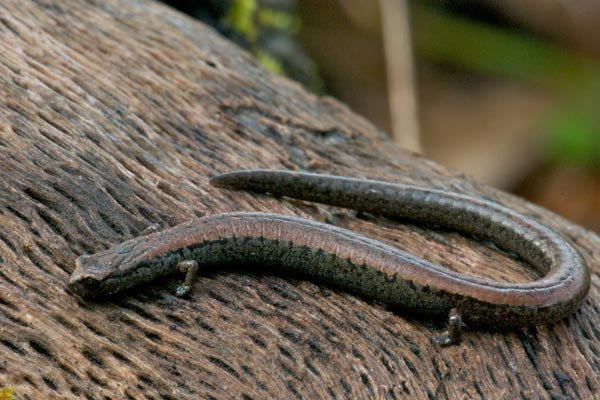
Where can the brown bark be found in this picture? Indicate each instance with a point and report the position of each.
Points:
(113, 114)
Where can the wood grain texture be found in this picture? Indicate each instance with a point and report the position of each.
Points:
(113, 114)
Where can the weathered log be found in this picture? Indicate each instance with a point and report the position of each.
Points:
(113, 114)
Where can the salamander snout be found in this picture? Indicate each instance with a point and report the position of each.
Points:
(85, 281)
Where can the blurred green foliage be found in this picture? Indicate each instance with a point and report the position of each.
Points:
(246, 18)
(279, 20)
(572, 131)
(240, 17)
(573, 138)
(266, 28)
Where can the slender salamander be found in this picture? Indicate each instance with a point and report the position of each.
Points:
(353, 261)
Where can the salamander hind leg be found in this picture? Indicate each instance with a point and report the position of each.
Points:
(452, 335)
(190, 268)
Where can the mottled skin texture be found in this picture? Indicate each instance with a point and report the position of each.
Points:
(353, 261)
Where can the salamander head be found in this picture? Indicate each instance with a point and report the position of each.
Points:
(105, 272)
(91, 277)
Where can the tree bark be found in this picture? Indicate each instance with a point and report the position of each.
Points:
(113, 114)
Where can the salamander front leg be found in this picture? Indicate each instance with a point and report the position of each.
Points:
(190, 268)
(452, 335)
(151, 229)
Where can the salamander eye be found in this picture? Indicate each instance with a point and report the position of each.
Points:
(90, 282)
(84, 286)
